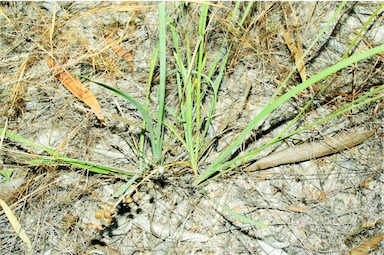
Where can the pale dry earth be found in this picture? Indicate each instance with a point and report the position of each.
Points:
(327, 205)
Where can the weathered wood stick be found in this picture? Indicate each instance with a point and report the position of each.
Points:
(307, 151)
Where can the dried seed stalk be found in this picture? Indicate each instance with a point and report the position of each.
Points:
(307, 151)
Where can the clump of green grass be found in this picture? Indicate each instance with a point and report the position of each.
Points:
(198, 82)
(193, 79)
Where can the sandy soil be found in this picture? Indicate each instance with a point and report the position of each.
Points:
(326, 205)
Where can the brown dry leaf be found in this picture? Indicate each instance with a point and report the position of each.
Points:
(129, 57)
(115, 47)
(76, 88)
(367, 182)
(119, 50)
(295, 208)
(367, 247)
(195, 227)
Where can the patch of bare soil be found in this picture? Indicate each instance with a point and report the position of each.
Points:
(326, 205)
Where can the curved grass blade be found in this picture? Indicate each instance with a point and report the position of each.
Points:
(139, 106)
(57, 158)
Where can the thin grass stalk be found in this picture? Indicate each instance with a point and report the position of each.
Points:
(235, 10)
(152, 66)
(353, 105)
(215, 86)
(187, 106)
(374, 14)
(200, 68)
(163, 70)
(237, 215)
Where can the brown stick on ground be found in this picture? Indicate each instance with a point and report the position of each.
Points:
(307, 151)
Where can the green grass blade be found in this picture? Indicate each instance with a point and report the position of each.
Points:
(197, 81)
(217, 164)
(152, 66)
(126, 185)
(234, 12)
(246, 12)
(57, 158)
(163, 70)
(323, 86)
(362, 100)
(139, 106)
(96, 168)
(319, 35)
(238, 216)
(366, 24)
(21, 139)
(215, 86)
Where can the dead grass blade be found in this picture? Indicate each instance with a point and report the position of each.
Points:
(16, 225)
(296, 52)
(4, 15)
(294, 208)
(307, 151)
(3, 133)
(367, 247)
(294, 44)
(76, 88)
